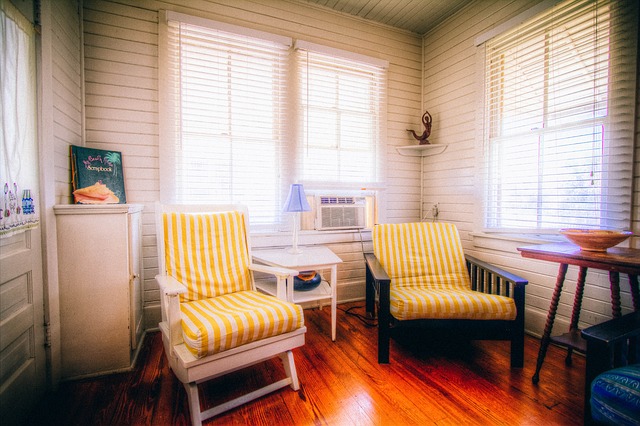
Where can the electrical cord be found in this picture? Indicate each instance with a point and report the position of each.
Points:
(366, 321)
(369, 322)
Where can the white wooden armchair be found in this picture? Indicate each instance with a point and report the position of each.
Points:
(213, 319)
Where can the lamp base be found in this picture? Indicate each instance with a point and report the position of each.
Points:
(294, 250)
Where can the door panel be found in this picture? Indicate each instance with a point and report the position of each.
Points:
(22, 349)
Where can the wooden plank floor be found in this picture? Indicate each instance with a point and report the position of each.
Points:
(427, 383)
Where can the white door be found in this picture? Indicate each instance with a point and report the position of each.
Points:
(22, 341)
(22, 349)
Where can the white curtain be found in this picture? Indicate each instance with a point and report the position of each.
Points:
(18, 145)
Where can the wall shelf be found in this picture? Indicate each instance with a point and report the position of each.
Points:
(421, 150)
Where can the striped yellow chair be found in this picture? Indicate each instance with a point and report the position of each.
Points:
(420, 276)
(213, 319)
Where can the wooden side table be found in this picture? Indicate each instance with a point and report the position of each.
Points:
(616, 260)
(311, 258)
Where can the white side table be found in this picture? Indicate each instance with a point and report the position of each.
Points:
(312, 258)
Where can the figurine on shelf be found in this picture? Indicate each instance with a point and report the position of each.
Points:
(423, 139)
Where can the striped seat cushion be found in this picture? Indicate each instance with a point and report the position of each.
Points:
(429, 277)
(207, 252)
(220, 323)
(410, 303)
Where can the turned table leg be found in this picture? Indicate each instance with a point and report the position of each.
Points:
(577, 306)
(614, 281)
(635, 292)
(546, 335)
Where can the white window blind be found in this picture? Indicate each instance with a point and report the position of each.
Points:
(341, 107)
(559, 118)
(223, 125)
(240, 121)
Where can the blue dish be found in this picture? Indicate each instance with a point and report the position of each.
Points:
(307, 280)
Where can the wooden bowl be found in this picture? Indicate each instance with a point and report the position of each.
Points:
(595, 239)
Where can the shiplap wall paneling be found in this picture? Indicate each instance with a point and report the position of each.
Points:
(67, 91)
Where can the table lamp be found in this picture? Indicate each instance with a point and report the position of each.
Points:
(296, 203)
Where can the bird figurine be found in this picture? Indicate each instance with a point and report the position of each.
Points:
(423, 139)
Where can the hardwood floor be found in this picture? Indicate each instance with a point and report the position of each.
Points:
(427, 383)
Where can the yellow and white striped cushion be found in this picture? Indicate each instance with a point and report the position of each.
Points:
(422, 254)
(429, 277)
(409, 303)
(207, 252)
(220, 323)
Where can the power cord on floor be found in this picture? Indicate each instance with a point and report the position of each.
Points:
(369, 322)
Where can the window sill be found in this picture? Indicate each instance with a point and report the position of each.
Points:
(310, 237)
(510, 242)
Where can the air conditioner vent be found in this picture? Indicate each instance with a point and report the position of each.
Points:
(340, 212)
(337, 200)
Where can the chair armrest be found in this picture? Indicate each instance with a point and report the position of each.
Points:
(611, 344)
(170, 286)
(495, 271)
(283, 292)
(375, 268)
(614, 330)
(170, 290)
(377, 282)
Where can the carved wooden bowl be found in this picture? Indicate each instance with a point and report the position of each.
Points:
(595, 239)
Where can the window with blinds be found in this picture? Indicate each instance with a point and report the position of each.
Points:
(559, 118)
(340, 107)
(244, 115)
(225, 116)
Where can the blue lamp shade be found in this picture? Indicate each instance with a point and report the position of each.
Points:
(296, 200)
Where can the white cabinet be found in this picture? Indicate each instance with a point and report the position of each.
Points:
(100, 287)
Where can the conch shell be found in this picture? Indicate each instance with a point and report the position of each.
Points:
(98, 193)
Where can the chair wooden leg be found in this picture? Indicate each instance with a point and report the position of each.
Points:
(197, 416)
(517, 350)
(370, 296)
(194, 403)
(290, 369)
(383, 327)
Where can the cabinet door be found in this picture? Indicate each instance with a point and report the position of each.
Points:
(93, 277)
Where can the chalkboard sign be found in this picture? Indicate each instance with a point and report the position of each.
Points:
(97, 176)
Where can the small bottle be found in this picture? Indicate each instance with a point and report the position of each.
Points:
(27, 202)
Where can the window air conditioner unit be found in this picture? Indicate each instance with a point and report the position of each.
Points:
(340, 212)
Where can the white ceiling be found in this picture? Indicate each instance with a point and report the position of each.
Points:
(418, 16)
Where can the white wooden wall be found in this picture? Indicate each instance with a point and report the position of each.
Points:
(453, 180)
(121, 59)
(67, 90)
